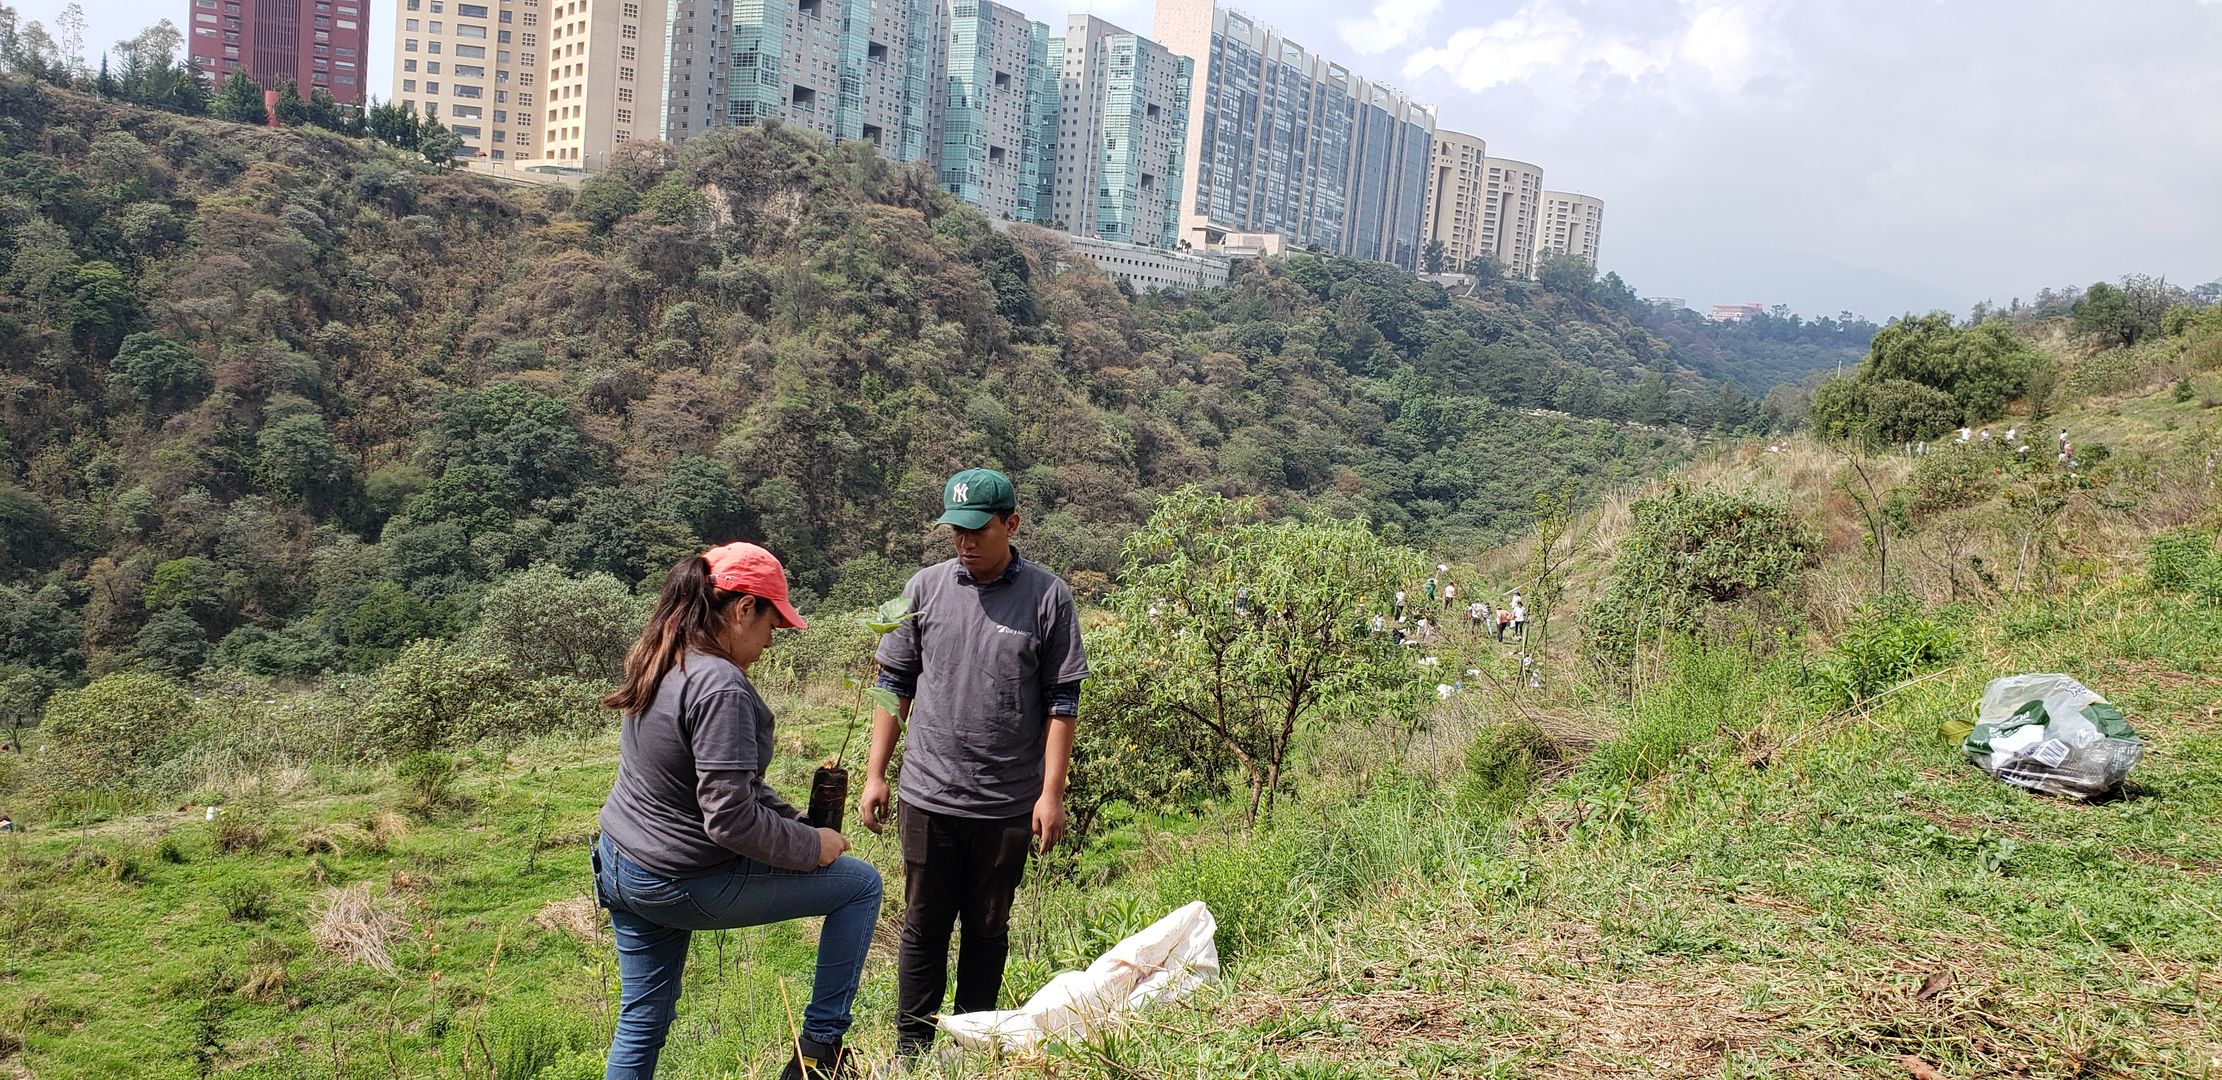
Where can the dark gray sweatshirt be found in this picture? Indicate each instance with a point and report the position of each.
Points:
(690, 792)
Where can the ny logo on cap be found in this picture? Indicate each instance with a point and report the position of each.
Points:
(963, 492)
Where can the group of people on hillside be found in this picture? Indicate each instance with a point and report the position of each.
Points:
(2014, 441)
(987, 675)
(1507, 623)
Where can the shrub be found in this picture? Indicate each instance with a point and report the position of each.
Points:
(545, 622)
(1951, 476)
(524, 1041)
(1687, 551)
(1889, 640)
(245, 898)
(1503, 765)
(112, 731)
(429, 778)
(426, 695)
(238, 831)
(2184, 560)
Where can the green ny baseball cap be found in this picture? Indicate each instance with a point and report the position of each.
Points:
(974, 497)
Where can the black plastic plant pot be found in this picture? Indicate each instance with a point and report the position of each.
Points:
(829, 793)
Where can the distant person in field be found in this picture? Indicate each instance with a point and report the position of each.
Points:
(987, 675)
(1504, 622)
(1450, 596)
(7, 824)
(692, 836)
(1474, 613)
(1519, 617)
(1430, 590)
(1400, 603)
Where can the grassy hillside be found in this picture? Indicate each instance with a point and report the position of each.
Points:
(283, 401)
(1702, 863)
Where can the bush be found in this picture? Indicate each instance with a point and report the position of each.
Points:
(245, 898)
(426, 696)
(1503, 765)
(525, 1042)
(1951, 476)
(2184, 560)
(429, 779)
(110, 733)
(1687, 551)
(1889, 641)
(545, 622)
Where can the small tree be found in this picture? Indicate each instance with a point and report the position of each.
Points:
(1246, 634)
(546, 622)
(107, 734)
(239, 100)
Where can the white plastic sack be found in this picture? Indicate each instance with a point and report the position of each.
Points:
(2063, 752)
(1161, 964)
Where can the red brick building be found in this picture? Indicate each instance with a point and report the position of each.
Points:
(311, 43)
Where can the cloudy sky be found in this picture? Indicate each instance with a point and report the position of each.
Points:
(1875, 155)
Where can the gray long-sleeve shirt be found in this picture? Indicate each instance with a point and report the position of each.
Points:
(690, 792)
(985, 660)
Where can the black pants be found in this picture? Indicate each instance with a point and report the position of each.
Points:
(954, 869)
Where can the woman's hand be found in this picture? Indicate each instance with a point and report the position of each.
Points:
(830, 846)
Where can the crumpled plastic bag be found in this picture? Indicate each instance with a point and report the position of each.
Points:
(1163, 963)
(2052, 734)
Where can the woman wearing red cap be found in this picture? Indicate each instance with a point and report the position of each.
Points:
(693, 839)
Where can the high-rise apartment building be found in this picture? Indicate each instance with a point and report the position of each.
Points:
(1512, 201)
(314, 44)
(476, 67)
(1119, 134)
(1457, 189)
(1283, 141)
(602, 64)
(847, 69)
(997, 110)
(1570, 223)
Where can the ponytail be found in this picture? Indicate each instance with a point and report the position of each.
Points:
(687, 616)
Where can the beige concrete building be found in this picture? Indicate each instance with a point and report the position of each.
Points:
(534, 83)
(1457, 192)
(1569, 222)
(603, 67)
(1513, 200)
(473, 66)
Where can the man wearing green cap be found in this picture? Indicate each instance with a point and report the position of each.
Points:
(988, 675)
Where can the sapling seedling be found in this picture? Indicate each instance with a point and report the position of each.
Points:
(829, 786)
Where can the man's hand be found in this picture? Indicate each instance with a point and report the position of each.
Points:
(830, 846)
(871, 807)
(1049, 821)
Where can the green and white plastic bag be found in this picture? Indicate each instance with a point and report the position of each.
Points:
(2052, 734)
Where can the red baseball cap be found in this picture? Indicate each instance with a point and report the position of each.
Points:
(745, 568)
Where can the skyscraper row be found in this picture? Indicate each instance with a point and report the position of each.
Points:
(1215, 134)
(1482, 207)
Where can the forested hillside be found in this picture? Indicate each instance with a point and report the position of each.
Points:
(286, 400)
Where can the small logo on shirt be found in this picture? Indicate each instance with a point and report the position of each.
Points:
(1001, 629)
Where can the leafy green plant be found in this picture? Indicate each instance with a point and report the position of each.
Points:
(2184, 560)
(1242, 635)
(1888, 641)
(1687, 551)
(428, 776)
(246, 898)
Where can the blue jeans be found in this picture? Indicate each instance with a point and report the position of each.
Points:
(653, 917)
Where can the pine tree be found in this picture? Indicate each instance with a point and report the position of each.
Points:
(290, 110)
(104, 84)
(239, 100)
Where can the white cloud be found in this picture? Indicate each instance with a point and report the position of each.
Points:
(1392, 23)
(1546, 44)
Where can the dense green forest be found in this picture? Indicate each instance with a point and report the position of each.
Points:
(286, 400)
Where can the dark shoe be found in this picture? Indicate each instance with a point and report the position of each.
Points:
(818, 1061)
